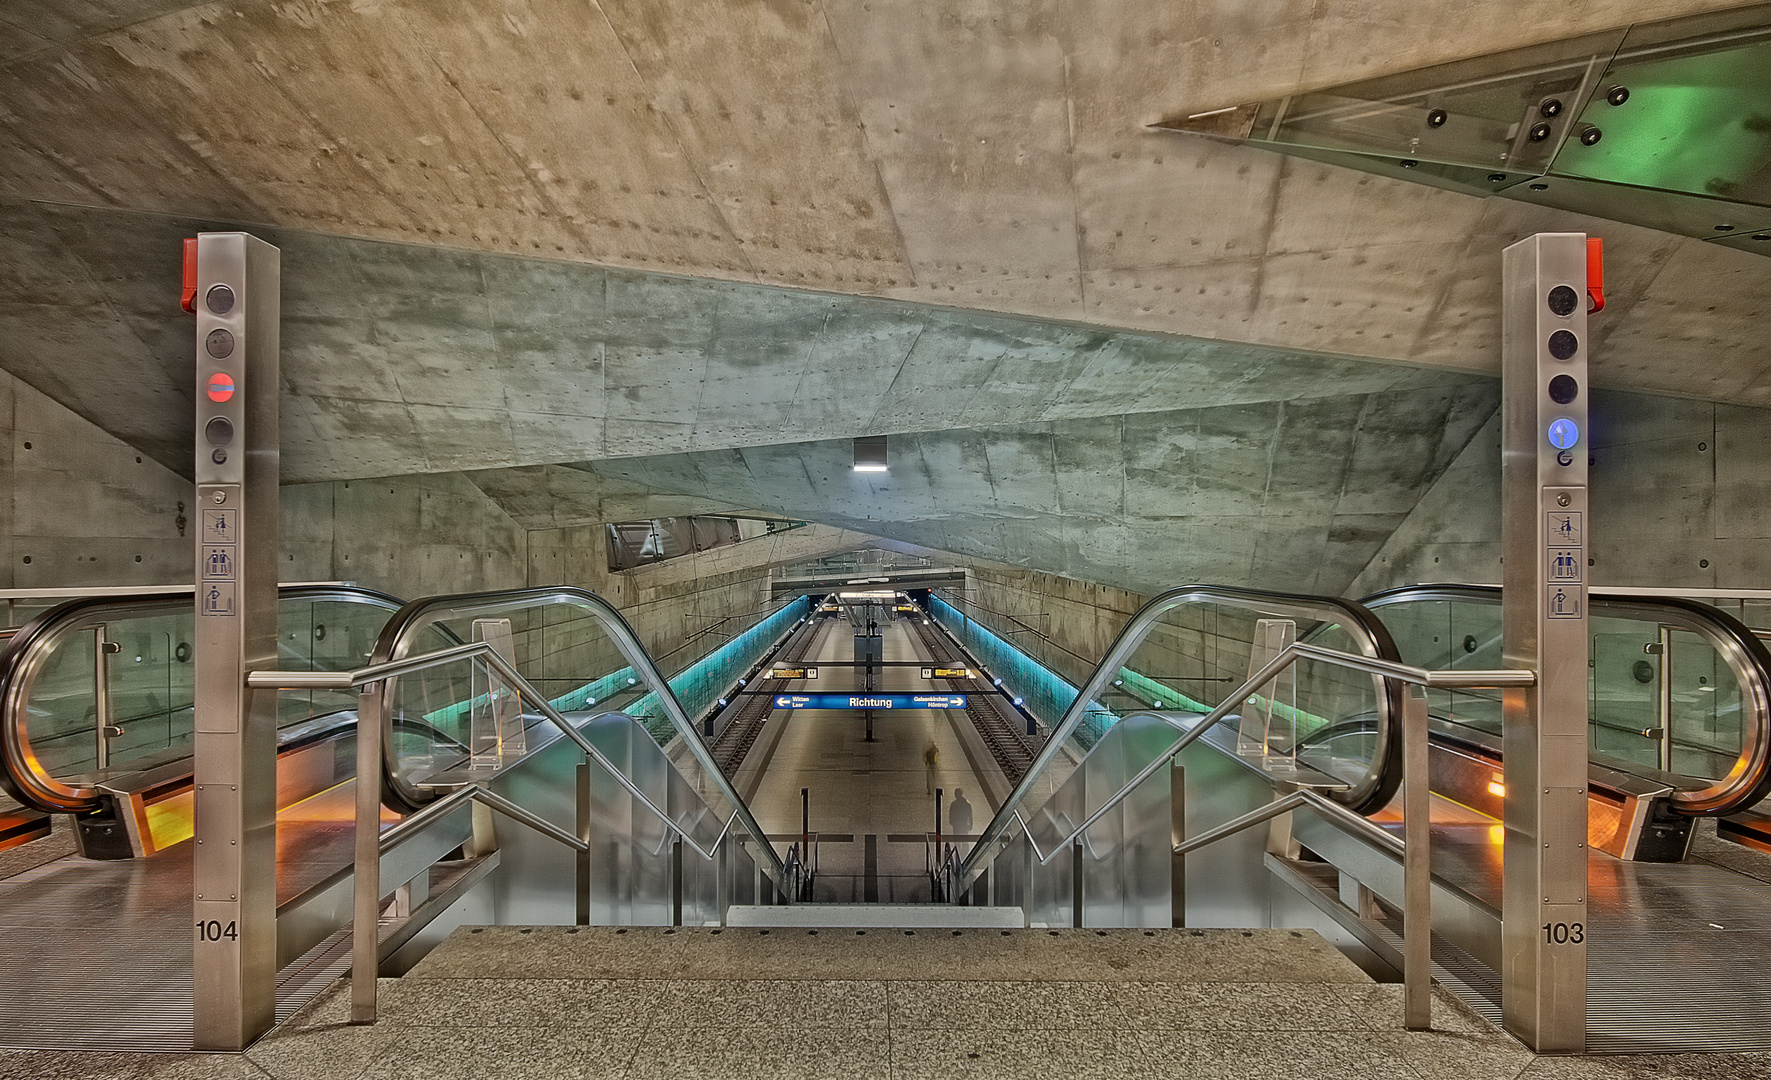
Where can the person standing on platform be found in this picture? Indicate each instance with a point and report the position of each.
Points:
(959, 816)
(931, 759)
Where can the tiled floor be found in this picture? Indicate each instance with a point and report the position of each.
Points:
(554, 1004)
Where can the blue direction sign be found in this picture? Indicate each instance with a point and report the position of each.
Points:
(869, 701)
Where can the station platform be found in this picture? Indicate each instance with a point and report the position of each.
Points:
(872, 802)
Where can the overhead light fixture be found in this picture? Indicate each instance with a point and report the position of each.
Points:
(870, 453)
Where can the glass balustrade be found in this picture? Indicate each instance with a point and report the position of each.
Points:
(102, 687)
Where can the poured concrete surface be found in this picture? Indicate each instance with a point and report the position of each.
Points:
(556, 1003)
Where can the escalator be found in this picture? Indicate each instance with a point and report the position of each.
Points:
(1679, 723)
(97, 697)
(1680, 696)
(586, 670)
(660, 836)
(1317, 727)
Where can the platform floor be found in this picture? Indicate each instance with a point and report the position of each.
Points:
(554, 1003)
(871, 802)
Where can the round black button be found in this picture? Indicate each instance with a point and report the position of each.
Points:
(1563, 345)
(220, 456)
(1564, 389)
(220, 343)
(220, 299)
(219, 431)
(1563, 300)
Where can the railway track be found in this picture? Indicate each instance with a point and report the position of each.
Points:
(731, 744)
(998, 724)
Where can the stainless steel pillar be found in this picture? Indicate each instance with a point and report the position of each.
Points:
(1545, 536)
(235, 957)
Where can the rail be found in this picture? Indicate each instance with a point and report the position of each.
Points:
(28, 652)
(370, 843)
(1366, 630)
(403, 628)
(1416, 798)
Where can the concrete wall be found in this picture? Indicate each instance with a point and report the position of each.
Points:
(80, 506)
(1076, 620)
(411, 536)
(679, 606)
(1681, 498)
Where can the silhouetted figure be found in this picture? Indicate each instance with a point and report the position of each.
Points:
(959, 815)
(931, 759)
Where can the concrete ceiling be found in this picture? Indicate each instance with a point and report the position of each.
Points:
(400, 359)
(1295, 494)
(990, 155)
(623, 257)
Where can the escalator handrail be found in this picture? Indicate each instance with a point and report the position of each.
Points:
(24, 655)
(1749, 779)
(1375, 642)
(1394, 674)
(400, 630)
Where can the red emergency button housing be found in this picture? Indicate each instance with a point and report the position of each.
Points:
(188, 300)
(221, 387)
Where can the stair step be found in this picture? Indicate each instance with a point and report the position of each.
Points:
(907, 916)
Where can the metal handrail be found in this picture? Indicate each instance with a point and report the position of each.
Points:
(475, 792)
(26, 654)
(1344, 613)
(1416, 795)
(397, 635)
(1748, 780)
(483, 651)
(1465, 679)
(366, 879)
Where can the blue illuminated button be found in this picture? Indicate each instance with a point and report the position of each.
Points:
(1564, 433)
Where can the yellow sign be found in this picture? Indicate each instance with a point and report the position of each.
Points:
(793, 673)
(948, 673)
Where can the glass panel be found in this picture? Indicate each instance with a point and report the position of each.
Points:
(562, 647)
(60, 720)
(1694, 117)
(1327, 719)
(1506, 112)
(1693, 726)
(1625, 691)
(150, 678)
(1706, 705)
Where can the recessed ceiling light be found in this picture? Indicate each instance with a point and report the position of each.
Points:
(870, 453)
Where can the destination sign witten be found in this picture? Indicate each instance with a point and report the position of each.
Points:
(869, 701)
(948, 673)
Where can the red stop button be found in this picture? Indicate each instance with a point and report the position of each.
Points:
(221, 386)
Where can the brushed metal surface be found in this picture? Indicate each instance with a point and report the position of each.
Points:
(1544, 727)
(235, 760)
(107, 945)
